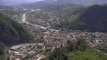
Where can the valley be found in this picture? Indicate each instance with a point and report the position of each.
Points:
(53, 30)
(47, 39)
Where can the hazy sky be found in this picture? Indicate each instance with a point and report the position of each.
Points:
(12, 2)
(20, 0)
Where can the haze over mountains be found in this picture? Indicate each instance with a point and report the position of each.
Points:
(16, 2)
(81, 2)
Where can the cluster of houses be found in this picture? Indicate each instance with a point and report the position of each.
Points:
(50, 40)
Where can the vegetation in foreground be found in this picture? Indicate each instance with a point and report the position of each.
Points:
(76, 51)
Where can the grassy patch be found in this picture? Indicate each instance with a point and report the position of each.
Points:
(76, 51)
(88, 54)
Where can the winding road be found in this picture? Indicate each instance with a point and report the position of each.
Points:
(24, 20)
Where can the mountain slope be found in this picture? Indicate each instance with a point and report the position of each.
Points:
(94, 19)
(46, 3)
(11, 32)
(3, 52)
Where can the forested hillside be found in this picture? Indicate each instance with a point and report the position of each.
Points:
(95, 18)
(91, 18)
(11, 33)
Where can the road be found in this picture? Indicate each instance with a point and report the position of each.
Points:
(24, 20)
